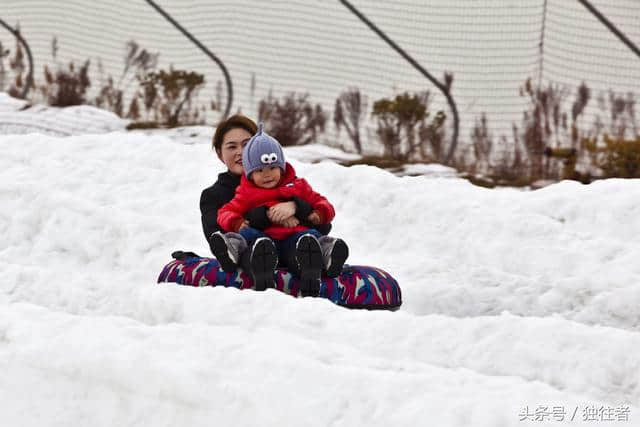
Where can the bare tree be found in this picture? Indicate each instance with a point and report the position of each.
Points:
(350, 110)
(482, 143)
(542, 123)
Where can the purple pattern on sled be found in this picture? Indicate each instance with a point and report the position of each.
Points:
(357, 286)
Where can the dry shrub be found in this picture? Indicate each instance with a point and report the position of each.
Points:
(66, 87)
(137, 62)
(404, 129)
(292, 120)
(170, 94)
(552, 144)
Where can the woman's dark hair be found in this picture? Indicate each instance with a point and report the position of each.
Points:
(234, 122)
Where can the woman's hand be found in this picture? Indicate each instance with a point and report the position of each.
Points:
(282, 212)
(244, 224)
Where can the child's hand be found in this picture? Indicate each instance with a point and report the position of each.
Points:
(291, 222)
(314, 217)
(281, 212)
(244, 224)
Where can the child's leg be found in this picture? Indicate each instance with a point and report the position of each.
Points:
(334, 253)
(251, 235)
(261, 258)
(304, 258)
(227, 248)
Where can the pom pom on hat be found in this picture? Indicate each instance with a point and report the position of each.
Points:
(261, 151)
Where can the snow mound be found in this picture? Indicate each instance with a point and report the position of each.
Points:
(10, 104)
(314, 153)
(17, 118)
(431, 170)
(511, 299)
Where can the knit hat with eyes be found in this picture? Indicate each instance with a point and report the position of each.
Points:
(261, 151)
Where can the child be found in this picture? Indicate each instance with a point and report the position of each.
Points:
(268, 180)
(231, 135)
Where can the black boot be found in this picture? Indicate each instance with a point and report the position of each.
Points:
(334, 253)
(259, 262)
(309, 263)
(227, 249)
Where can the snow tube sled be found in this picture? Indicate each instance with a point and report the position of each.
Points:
(357, 287)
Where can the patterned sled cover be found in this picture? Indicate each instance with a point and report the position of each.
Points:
(357, 287)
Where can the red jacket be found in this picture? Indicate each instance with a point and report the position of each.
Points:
(249, 196)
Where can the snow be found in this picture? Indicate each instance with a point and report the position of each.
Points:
(10, 104)
(512, 299)
(183, 134)
(314, 153)
(19, 117)
(428, 169)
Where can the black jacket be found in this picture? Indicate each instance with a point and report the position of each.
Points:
(213, 198)
(221, 193)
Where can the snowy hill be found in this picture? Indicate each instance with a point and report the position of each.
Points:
(513, 300)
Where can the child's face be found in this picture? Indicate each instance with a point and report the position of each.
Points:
(231, 149)
(267, 177)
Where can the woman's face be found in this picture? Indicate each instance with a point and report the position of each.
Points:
(231, 149)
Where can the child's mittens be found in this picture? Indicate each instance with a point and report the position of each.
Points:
(258, 218)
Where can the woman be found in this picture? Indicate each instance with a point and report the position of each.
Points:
(229, 248)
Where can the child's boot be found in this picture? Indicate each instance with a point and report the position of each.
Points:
(260, 262)
(308, 257)
(227, 247)
(334, 253)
